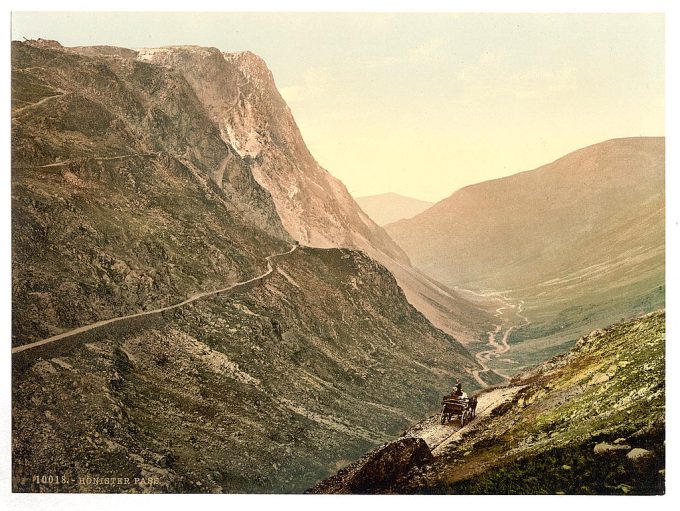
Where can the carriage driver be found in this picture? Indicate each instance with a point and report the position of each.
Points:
(457, 392)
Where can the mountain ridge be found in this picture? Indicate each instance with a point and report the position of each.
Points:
(314, 206)
(580, 241)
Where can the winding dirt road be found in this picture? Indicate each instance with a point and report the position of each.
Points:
(104, 158)
(193, 298)
(497, 348)
(37, 103)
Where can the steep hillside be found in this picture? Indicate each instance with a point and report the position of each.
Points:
(391, 207)
(264, 390)
(579, 241)
(240, 96)
(124, 196)
(591, 421)
(126, 199)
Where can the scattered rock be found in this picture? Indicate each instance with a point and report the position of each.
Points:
(619, 441)
(605, 448)
(63, 364)
(639, 454)
(599, 378)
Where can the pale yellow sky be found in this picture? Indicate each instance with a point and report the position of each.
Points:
(423, 104)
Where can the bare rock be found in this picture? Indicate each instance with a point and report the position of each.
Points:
(379, 469)
(599, 378)
(605, 448)
(638, 454)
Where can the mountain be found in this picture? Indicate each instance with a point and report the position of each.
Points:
(577, 243)
(386, 208)
(588, 422)
(226, 358)
(240, 96)
(111, 183)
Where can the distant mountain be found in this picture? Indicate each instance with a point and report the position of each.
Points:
(386, 208)
(580, 240)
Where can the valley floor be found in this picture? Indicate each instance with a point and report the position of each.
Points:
(509, 317)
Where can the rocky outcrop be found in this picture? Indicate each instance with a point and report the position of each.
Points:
(239, 94)
(387, 466)
(606, 448)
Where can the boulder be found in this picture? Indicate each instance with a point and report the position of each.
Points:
(598, 379)
(390, 463)
(605, 448)
(639, 454)
(380, 469)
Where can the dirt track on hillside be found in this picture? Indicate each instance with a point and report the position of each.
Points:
(438, 436)
(198, 296)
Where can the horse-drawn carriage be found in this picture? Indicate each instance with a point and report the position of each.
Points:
(462, 408)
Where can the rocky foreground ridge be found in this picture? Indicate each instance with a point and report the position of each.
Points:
(591, 421)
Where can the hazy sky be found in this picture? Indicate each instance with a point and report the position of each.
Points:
(423, 104)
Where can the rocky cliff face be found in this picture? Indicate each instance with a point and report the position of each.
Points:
(240, 96)
(127, 198)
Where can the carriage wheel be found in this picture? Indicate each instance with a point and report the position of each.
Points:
(442, 418)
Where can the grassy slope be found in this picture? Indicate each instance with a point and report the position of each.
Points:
(580, 241)
(610, 386)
